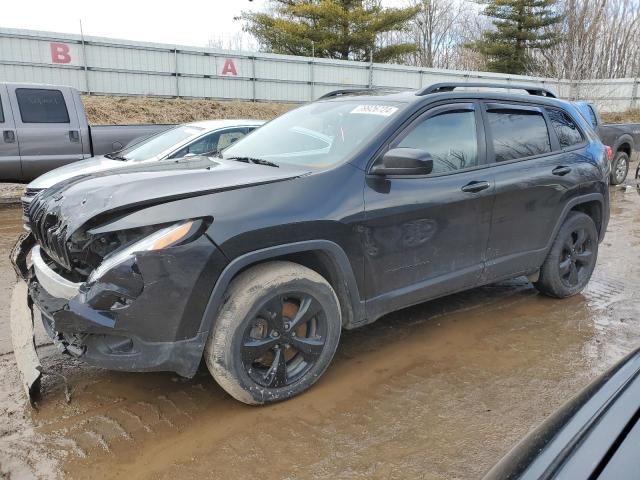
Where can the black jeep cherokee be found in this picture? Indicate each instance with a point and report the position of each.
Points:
(328, 217)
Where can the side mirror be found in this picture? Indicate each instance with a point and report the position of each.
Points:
(404, 161)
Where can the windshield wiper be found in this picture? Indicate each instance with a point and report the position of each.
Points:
(111, 156)
(257, 161)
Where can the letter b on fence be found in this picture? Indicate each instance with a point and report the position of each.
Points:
(60, 53)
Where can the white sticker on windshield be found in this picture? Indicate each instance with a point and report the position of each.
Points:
(384, 110)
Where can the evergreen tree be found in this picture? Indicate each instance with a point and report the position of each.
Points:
(342, 29)
(521, 26)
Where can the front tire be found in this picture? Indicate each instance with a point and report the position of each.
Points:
(619, 168)
(276, 333)
(571, 259)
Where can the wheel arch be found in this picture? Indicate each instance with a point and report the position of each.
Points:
(592, 204)
(624, 144)
(323, 256)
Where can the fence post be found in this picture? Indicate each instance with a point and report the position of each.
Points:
(634, 93)
(84, 61)
(175, 68)
(253, 78)
(311, 80)
(371, 69)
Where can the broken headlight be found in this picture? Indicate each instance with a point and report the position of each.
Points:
(163, 238)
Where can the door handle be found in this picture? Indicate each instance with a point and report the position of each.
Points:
(74, 136)
(561, 170)
(9, 136)
(475, 186)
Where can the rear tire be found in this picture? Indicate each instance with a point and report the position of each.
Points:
(619, 168)
(571, 259)
(276, 333)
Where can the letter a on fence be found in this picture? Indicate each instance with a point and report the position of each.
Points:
(229, 68)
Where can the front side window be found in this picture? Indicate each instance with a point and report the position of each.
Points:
(39, 105)
(158, 144)
(211, 143)
(518, 134)
(565, 128)
(449, 137)
(316, 135)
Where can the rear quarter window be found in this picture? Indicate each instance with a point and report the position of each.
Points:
(565, 128)
(518, 134)
(42, 106)
(592, 116)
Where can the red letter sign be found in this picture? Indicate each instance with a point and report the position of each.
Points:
(229, 68)
(60, 53)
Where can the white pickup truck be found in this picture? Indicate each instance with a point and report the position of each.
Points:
(45, 126)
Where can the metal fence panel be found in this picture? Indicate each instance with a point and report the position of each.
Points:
(122, 67)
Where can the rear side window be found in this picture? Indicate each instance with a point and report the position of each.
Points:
(592, 116)
(42, 106)
(1, 112)
(566, 129)
(518, 134)
(449, 137)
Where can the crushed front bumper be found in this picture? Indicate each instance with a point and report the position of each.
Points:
(23, 341)
(142, 316)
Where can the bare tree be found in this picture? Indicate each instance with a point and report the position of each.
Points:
(240, 41)
(600, 39)
(440, 31)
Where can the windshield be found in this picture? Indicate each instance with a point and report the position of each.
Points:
(157, 144)
(316, 135)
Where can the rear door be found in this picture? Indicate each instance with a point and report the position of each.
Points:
(10, 168)
(535, 175)
(48, 128)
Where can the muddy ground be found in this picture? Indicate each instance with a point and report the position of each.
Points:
(437, 391)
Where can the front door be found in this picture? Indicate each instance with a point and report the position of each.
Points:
(426, 236)
(10, 168)
(48, 129)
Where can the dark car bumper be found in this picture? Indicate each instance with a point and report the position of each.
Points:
(145, 315)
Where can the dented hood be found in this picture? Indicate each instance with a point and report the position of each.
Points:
(74, 202)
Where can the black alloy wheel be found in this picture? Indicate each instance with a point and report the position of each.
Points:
(577, 257)
(285, 339)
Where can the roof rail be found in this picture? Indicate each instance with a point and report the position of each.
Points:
(450, 86)
(356, 91)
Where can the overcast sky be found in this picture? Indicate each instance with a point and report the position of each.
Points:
(165, 21)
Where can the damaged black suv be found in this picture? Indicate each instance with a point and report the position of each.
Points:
(328, 217)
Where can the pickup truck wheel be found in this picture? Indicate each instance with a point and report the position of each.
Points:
(619, 168)
(276, 333)
(572, 258)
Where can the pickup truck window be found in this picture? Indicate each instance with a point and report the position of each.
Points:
(566, 129)
(450, 138)
(38, 105)
(518, 134)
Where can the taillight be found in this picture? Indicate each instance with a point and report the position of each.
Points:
(609, 151)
